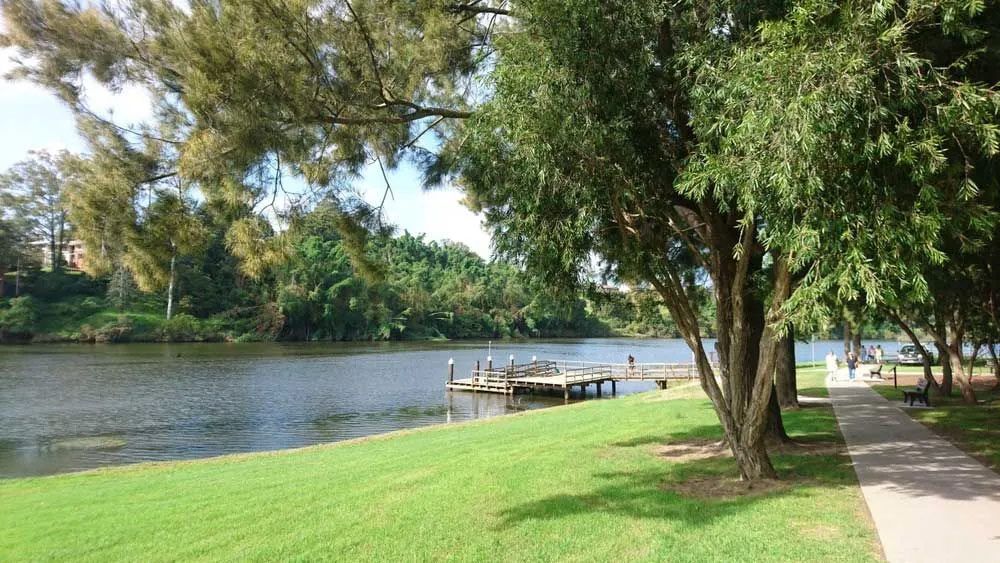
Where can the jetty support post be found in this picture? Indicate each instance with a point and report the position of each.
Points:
(599, 384)
(512, 360)
(566, 393)
(489, 363)
(451, 370)
(612, 387)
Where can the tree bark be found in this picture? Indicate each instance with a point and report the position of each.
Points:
(786, 386)
(951, 339)
(972, 359)
(928, 374)
(947, 378)
(53, 259)
(775, 433)
(847, 338)
(964, 382)
(857, 341)
(3, 277)
(170, 285)
(996, 364)
(944, 355)
(60, 242)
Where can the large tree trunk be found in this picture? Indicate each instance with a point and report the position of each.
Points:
(60, 243)
(746, 343)
(972, 359)
(951, 339)
(964, 382)
(944, 355)
(53, 257)
(925, 357)
(992, 348)
(956, 337)
(3, 277)
(856, 341)
(775, 432)
(947, 378)
(784, 374)
(170, 285)
(847, 338)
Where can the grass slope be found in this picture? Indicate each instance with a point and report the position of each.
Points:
(582, 482)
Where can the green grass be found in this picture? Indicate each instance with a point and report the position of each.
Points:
(581, 482)
(973, 428)
(811, 381)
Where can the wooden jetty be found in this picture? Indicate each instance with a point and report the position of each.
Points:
(562, 375)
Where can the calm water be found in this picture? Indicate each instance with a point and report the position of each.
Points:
(73, 407)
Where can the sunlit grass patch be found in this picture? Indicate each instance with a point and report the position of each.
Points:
(581, 482)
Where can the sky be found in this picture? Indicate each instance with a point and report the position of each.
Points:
(31, 118)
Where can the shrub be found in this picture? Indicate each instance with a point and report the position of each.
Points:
(18, 320)
(119, 331)
(180, 328)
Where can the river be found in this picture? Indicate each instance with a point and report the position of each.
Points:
(74, 407)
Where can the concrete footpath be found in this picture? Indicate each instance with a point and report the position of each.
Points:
(930, 501)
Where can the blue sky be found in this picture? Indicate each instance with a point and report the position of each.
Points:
(33, 119)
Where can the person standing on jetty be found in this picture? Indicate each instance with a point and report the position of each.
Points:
(631, 365)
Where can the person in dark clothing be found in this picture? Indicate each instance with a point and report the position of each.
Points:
(852, 365)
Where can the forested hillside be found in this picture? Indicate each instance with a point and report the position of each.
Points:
(407, 288)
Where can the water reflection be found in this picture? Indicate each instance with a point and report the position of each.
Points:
(72, 407)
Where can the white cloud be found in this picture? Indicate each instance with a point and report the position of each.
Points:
(439, 214)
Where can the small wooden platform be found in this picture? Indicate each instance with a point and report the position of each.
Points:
(552, 375)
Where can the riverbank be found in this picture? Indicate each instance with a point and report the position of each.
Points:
(586, 481)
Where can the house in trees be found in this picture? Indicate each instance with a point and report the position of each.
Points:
(73, 254)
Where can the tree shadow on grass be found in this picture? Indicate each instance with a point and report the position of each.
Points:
(658, 491)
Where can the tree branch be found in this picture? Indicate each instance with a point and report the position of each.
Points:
(415, 115)
(473, 8)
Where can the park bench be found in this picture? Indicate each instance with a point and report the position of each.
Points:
(876, 373)
(920, 392)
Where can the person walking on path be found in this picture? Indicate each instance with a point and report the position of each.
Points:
(878, 354)
(911, 477)
(831, 365)
(852, 365)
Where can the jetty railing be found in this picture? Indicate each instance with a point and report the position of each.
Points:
(637, 371)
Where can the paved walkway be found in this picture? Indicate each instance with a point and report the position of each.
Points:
(930, 501)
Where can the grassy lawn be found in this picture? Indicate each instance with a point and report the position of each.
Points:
(973, 428)
(811, 381)
(581, 482)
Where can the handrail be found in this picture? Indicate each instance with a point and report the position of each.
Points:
(576, 372)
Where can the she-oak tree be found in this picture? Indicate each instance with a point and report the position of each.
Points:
(770, 149)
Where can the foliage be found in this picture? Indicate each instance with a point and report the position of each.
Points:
(180, 328)
(18, 318)
(34, 191)
(403, 502)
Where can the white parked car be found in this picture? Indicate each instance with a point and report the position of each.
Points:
(910, 355)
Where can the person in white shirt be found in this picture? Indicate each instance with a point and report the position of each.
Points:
(831, 365)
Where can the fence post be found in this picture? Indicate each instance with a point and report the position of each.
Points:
(489, 363)
(894, 385)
